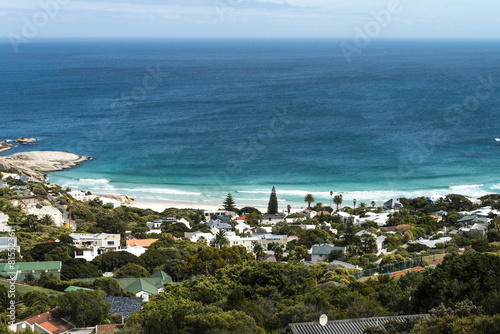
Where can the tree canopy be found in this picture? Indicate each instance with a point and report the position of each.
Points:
(229, 204)
(84, 308)
(272, 206)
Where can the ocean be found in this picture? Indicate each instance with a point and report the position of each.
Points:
(188, 121)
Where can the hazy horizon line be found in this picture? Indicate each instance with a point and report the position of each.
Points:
(109, 38)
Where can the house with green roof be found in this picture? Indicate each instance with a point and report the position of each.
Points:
(20, 270)
(163, 276)
(146, 286)
(76, 288)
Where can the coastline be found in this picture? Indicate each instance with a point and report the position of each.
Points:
(161, 196)
(175, 197)
(160, 205)
(35, 164)
(158, 197)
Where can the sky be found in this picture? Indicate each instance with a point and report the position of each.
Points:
(32, 19)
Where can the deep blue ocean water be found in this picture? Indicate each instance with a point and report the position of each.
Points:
(403, 118)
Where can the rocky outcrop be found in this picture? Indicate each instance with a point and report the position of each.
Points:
(4, 165)
(5, 146)
(26, 140)
(124, 199)
(36, 164)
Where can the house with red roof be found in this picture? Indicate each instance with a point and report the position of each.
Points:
(51, 322)
(140, 242)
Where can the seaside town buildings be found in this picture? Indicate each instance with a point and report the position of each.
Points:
(92, 245)
(21, 270)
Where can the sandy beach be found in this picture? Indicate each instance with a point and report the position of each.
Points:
(159, 206)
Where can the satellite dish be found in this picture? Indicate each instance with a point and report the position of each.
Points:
(323, 320)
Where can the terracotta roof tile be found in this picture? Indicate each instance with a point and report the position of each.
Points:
(141, 242)
(51, 320)
(48, 326)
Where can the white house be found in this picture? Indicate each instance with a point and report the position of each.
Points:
(136, 250)
(4, 227)
(380, 244)
(101, 240)
(235, 240)
(434, 242)
(272, 219)
(263, 239)
(78, 195)
(379, 218)
(195, 236)
(209, 214)
(308, 227)
(92, 245)
(309, 213)
(50, 322)
(9, 243)
(154, 224)
(88, 253)
(241, 226)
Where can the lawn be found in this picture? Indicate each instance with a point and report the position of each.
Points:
(22, 288)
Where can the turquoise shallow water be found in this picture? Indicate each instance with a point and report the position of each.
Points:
(189, 121)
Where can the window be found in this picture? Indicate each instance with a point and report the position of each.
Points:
(111, 243)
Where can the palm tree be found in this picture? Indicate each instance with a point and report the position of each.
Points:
(340, 202)
(288, 208)
(373, 204)
(354, 202)
(258, 250)
(278, 253)
(221, 239)
(336, 200)
(331, 194)
(362, 205)
(309, 199)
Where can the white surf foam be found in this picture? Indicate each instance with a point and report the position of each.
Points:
(379, 196)
(93, 180)
(286, 192)
(467, 186)
(166, 191)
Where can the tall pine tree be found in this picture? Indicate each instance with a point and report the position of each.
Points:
(228, 203)
(272, 207)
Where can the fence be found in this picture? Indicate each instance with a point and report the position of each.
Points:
(390, 268)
